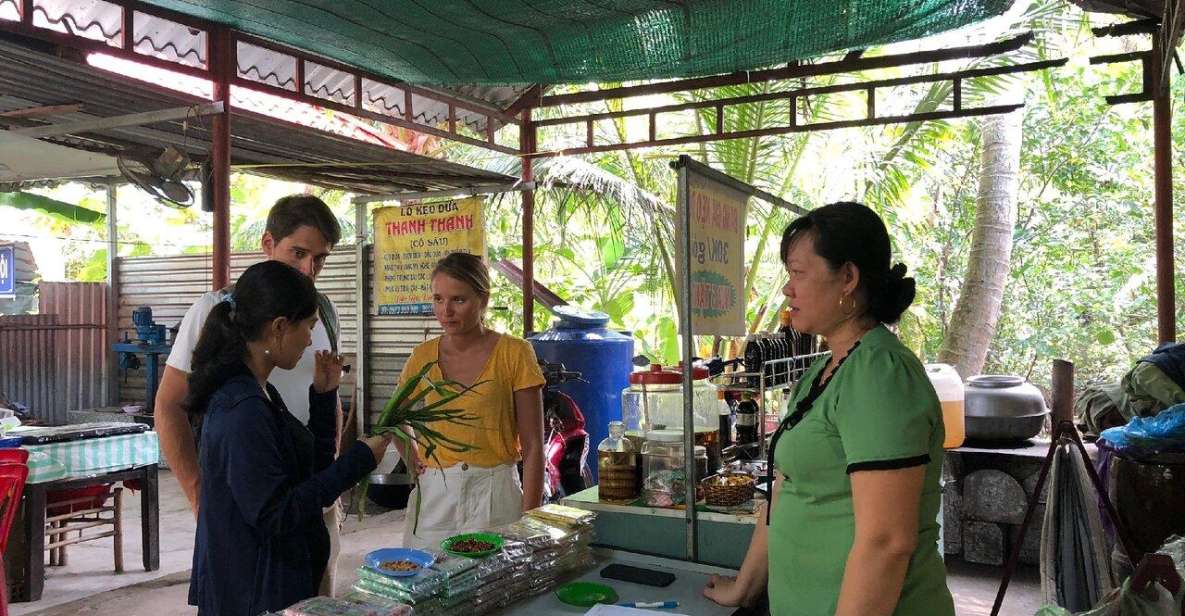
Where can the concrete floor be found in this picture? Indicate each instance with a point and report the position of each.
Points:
(88, 584)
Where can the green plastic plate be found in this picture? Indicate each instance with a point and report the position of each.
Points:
(585, 594)
(491, 538)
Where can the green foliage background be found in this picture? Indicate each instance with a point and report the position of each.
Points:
(1082, 283)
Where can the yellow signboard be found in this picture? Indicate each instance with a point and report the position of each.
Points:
(717, 259)
(410, 239)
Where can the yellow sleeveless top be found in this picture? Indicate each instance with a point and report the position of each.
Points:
(493, 434)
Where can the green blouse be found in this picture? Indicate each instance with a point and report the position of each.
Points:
(878, 411)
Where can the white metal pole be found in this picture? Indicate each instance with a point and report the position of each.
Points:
(688, 352)
(362, 313)
(111, 382)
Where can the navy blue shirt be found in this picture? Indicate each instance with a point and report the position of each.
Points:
(261, 542)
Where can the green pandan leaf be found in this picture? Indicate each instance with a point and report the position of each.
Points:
(410, 420)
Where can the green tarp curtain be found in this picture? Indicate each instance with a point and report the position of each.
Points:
(505, 42)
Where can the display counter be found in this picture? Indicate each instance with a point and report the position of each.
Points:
(687, 588)
(723, 538)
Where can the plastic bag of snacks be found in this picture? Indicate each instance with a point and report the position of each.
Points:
(575, 560)
(563, 515)
(453, 566)
(369, 587)
(516, 550)
(394, 605)
(461, 574)
(420, 586)
(488, 601)
(430, 606)
(534, 537)
(559, 534)
(494, 567)
(328, 606)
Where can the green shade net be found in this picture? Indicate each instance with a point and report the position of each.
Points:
(504, 42)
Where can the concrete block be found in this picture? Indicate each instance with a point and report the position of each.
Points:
(1030, 550)
(983, 543)
(993, 496)
(952, 466)
(1019, 468)
(952, 517)
(1030, 484)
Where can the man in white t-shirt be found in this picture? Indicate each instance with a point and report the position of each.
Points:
(301, 231)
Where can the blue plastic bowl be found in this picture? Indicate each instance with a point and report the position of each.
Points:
(423, 559)
(11, 441)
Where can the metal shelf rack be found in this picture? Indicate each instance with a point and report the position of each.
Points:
(772, 386)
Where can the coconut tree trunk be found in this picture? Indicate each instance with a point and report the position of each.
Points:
(973, 323)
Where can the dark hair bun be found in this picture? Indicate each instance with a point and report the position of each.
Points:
(894, 295)
(847, 232)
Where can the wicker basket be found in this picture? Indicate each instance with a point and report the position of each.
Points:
(738, 489)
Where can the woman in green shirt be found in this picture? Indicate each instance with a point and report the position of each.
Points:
(851, 528)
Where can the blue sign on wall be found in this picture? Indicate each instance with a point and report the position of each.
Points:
(7, 271)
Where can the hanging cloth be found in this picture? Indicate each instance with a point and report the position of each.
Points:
(1075, 561)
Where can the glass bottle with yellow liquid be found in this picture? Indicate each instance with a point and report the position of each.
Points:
(617, 467)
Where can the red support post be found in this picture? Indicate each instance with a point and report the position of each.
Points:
(222, 61)
(527, 143)
(1162, 123)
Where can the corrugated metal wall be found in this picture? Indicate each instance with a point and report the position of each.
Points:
(57, 361)
(83, 354)
(26, 360)
(170, 284)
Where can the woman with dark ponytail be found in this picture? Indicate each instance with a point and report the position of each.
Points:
(850, 528)
(261, 542)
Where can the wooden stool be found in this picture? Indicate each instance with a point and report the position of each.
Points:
(84, 513)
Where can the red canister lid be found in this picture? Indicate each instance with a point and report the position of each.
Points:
(656, 375)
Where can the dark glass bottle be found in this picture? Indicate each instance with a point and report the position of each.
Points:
(747, 417)
(766, 348)
(788, 339)
(753, 359)
(726, 411)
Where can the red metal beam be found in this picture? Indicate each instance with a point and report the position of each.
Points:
(814, 91)
(124, 47)
(529, 99)
(222, 59)
(1162, 136)
(89, 45)
(1157, 91)
(782, 130)
(846, 65)
(474, 106)
(527, 143)
(403, 122)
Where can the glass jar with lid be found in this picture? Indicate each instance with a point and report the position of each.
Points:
(654, 401)
(617, 466)
(664, 482)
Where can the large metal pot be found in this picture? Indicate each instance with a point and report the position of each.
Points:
(1003, 428)
(1002, 407)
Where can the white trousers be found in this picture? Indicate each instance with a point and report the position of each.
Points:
(461, 499)
(334, 516)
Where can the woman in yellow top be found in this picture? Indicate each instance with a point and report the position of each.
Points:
(480, 488)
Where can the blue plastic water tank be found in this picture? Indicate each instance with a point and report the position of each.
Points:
(580, 341)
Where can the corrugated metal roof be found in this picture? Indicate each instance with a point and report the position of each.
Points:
(176, 42)
(298, 152)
